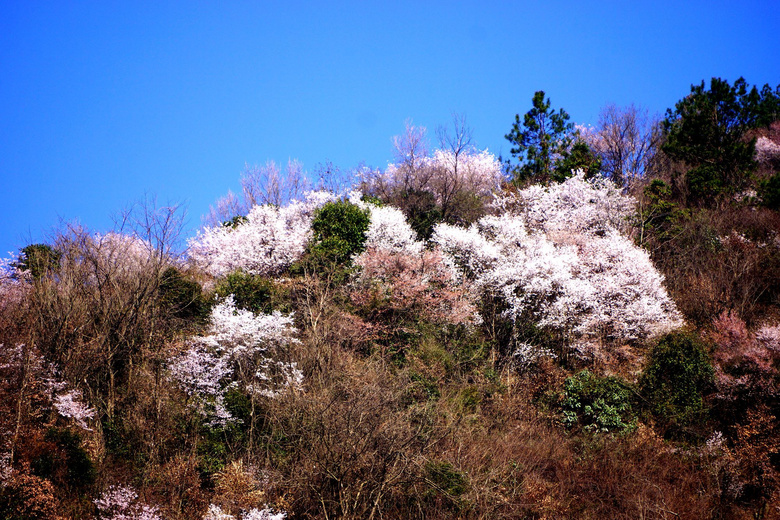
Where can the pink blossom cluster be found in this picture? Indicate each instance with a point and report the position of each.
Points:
(71, 406)
(269, 240)
(417, 283)
(556, 255)
(767, 150)
(240, 347)
(121, 503)
(216, 513)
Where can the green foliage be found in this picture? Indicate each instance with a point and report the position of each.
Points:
(706, 133)
(68, 463)
(769, 191)
(116, 438)
(235, 221)
(39, 259)
(468, 400)
(183, 296)
(580, 157)
(540, 142)
(661, 217)
(446, 478)
(423, 386)
(598, 404)
(250, 292)
(339, 231)
(422, 212)
(678, 374)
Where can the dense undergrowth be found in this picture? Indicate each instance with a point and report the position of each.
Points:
(434, 342)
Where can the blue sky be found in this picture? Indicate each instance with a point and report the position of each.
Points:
(104, 102)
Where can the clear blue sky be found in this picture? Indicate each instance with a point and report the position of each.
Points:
(102, 102)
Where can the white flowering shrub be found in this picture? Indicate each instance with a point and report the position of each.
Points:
(216, 513)
(590, 207)
(556, 256)
(71, 406)
(240, 348)
(265, 242)
(767, 150)
(388, 228)
(121, 503)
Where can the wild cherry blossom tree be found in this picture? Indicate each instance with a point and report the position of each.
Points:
(121, 503)
(388, 228)
(240, 348)
(556, 257)
(767, 150)
(70, 405)
(216, 513)
(264, 242)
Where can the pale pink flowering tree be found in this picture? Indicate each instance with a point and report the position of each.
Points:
(265, 242)
(556, 256)
(216, 513)
(121, 503)
(240, 348)
(457, 178)
(447, 172)
(767, 151)
(70, 405)
(412, 284)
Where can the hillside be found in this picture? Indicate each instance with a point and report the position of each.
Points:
(589, 329)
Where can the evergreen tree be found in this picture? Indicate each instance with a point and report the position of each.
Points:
(705, 134)
(540, 142)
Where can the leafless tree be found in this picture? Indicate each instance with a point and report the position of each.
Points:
(267, 184)
(626, 139)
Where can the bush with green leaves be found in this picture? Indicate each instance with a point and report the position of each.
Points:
(250, 292)
(339, 231)
(182, 296)
(39, 259)
(598, 404)
(677, 376)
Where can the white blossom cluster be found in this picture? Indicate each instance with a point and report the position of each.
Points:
(578, 205)
(216, 513)
(445, 172)
(767, 150)
(71, 406)
(388, 228)
(269, 240)
(240, 347)
(557, 256)
(120, 503)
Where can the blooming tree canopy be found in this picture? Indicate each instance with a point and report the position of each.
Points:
(240, 348)
(556, 256)
(265, 242)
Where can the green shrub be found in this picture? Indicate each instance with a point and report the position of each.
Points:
(39, 259)
(339, 231)
(769, 191)
(250, 292)
(678, 374)
(598, 404)
(68, 463)
(446, 478)
(182, 296)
